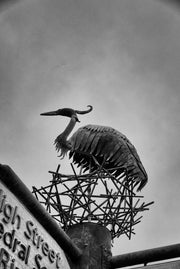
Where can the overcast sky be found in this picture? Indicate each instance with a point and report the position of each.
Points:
(122, 57)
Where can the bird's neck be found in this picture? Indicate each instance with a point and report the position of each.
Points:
(69, 128)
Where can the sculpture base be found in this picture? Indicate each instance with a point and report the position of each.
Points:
(95, 242)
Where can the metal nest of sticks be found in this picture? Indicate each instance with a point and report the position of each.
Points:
(98, 197)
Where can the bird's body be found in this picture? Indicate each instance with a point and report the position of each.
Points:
(109, 147)
(94, 144)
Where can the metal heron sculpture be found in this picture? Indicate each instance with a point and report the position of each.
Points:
(94, 145)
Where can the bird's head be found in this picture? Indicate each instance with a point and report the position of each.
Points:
(67, 112)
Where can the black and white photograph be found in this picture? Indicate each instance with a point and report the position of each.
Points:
(89, 140)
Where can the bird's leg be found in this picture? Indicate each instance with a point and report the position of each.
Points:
(89, 194)
(80, 172)
(89, 204)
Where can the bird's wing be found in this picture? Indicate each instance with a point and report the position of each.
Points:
(107, 144)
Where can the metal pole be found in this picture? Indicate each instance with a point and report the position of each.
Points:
(146, 256)
(95, 242)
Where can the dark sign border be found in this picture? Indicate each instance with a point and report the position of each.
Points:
(23, 194)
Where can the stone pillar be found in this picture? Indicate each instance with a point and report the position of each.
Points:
(95, 242)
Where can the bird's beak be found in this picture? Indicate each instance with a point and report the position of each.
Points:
(51, 113)
(67, 112)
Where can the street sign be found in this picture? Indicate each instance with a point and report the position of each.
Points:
(24, 242)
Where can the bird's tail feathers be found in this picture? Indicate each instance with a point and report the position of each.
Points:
(140, 182)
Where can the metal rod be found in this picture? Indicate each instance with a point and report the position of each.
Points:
(119, 204)
(146, 256)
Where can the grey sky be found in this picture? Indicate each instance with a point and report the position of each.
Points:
(122, 57)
